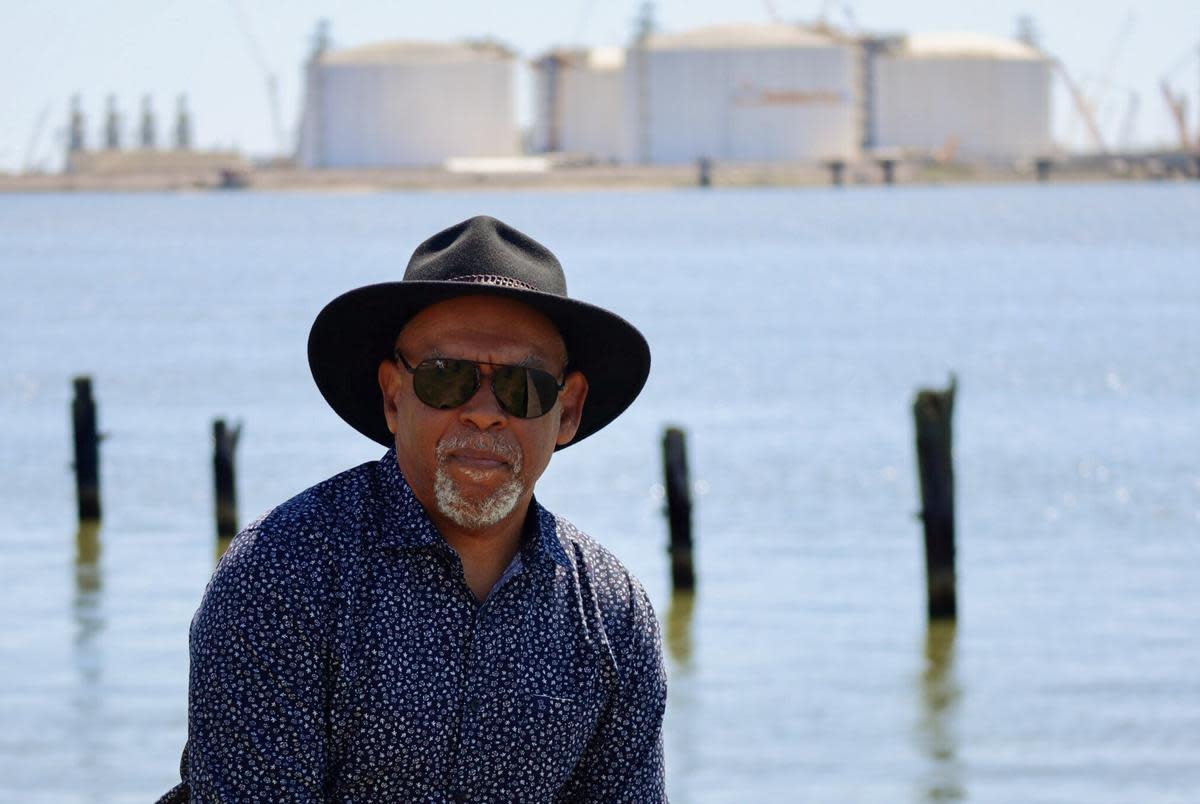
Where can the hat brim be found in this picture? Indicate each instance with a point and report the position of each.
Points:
(355, 332)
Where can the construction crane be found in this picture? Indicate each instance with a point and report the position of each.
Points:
(268, 75)
(1177, 102)
(1101, 103)
(31, 162)
(1082, 106)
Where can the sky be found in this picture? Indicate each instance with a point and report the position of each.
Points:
(222, 54)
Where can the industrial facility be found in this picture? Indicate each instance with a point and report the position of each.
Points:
(146, 157)
(408, 104)
(960, 95)
(772, 97)
(780, 92)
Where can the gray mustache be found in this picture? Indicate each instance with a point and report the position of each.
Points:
(507, 451)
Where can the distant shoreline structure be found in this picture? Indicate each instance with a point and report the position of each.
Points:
(549, 173)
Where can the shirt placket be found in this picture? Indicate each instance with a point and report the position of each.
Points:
(476, 682)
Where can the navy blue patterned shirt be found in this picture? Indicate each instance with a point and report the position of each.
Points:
(339, 655)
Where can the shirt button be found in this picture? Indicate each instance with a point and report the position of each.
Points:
(458, 796)
(473, 706)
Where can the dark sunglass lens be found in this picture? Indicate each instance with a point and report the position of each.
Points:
(524, 392)
(546, 388)
(511, 389)
(445, 384)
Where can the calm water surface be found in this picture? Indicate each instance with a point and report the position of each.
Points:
(790, 331)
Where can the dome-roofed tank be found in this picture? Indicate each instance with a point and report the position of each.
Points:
(744, 92)
(408, 104)
(972, 95)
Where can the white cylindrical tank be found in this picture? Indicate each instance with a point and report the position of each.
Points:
(760, 93)
(579, 102)
(400, 104)
(973, 96)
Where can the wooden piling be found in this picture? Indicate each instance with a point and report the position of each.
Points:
(704, 172)
(225, 440)
(932, 412)
(87, 451)
(1042, 166)
(679, 508)
(837, 170)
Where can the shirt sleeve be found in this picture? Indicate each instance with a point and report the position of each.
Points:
(259, 683)
(624, 759)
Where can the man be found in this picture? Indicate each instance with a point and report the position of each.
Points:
(420, 629)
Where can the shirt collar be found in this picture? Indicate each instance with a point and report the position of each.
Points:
(403, 522)
(544, 543)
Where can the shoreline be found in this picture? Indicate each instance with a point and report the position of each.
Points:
(274, 178)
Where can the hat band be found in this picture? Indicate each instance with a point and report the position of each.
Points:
(493, 279)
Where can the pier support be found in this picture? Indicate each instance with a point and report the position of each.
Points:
(837, 170)
(225, 441)
(87, 451)
(679, 508)
(932, 412)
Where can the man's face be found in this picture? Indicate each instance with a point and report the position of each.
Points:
(476, 465)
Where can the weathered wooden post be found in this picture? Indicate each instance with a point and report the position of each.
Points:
(933, 411)
(837, 169)
(87, 451)
(1043, 166)
(704, 171)
(679, 508)
(224, 445)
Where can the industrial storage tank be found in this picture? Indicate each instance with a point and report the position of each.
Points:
(579, 103)
(399, 104)
(749, 92)
(965, 95)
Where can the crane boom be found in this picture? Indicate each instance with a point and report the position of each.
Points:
(1083, 107)
(35, 139)
(268, 75)
(1178, 106)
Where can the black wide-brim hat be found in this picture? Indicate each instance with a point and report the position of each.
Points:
(478, 257)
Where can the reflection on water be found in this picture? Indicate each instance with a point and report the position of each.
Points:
(87, 610)
(937, 727)
(684, 731)
(88, 581)
(679, 629)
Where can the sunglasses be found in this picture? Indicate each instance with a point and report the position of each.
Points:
(446, 383)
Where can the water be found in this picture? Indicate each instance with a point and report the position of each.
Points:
(790, 329)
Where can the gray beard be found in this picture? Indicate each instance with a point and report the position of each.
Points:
(472, 514)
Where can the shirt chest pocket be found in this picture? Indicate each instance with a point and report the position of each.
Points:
(542, 734)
